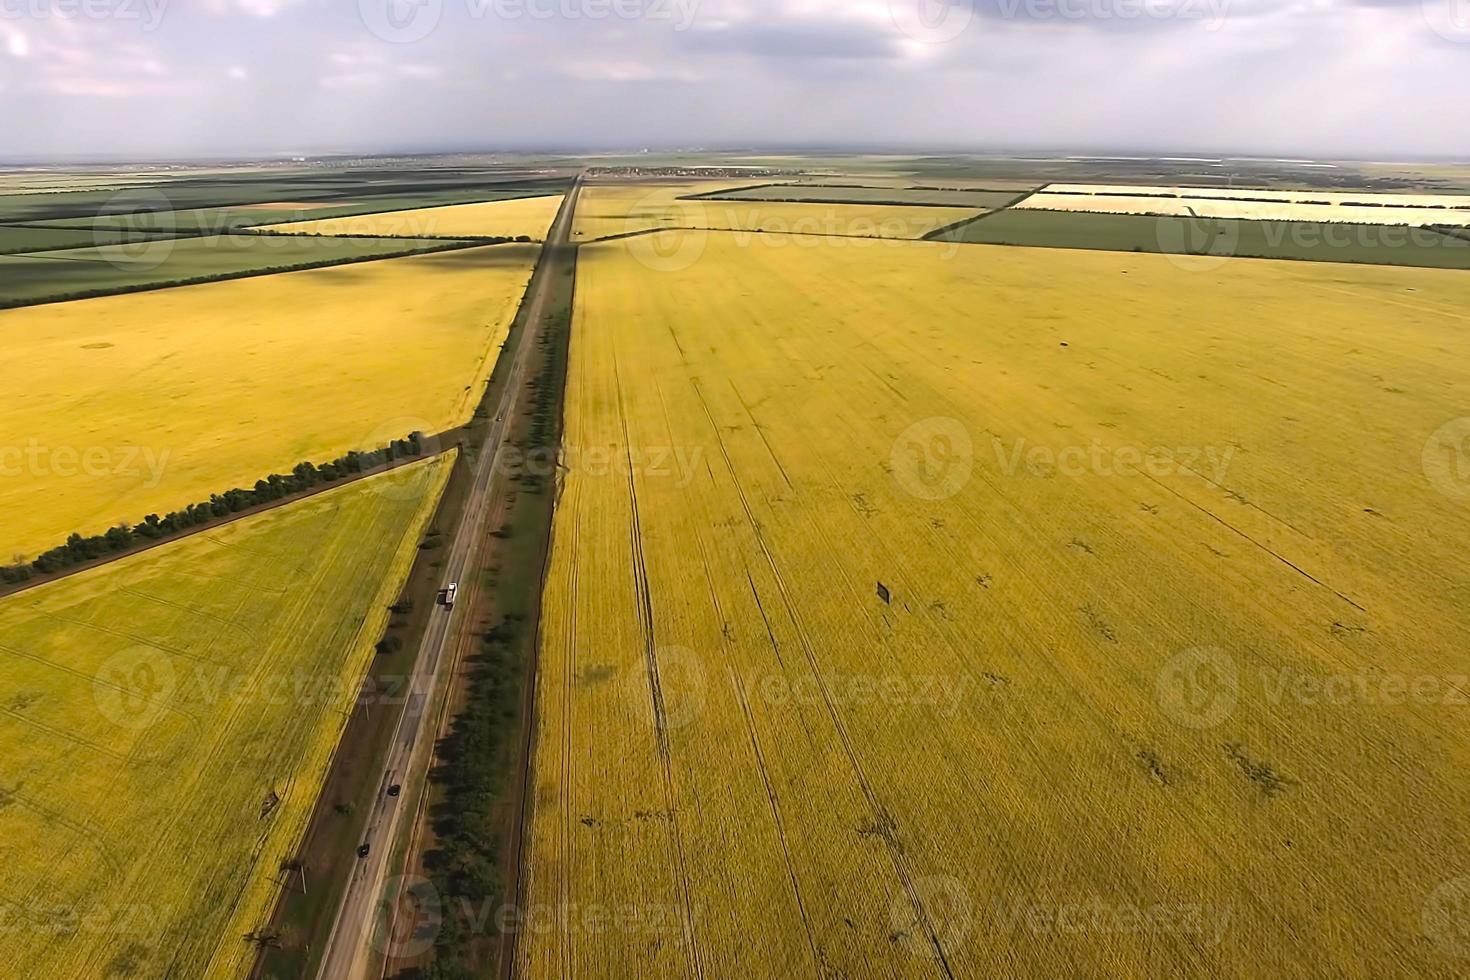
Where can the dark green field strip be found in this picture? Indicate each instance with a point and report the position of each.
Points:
(201, 194)
(15, 239)
(847, 194)
(1303, 240)
(954, 231)
(82, 273)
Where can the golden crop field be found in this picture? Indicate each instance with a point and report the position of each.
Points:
(118, 407)
(168, 721)
(530, 216)
(909, 619)
(608, 210)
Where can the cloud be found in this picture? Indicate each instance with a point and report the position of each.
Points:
(239, 77)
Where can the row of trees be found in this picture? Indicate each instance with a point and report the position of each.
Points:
(306, 476)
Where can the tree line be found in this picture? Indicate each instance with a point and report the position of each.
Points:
(80, 549)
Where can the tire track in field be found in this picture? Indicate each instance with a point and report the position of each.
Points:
(760, 761)
(564, 764)
(92, 836)
(886, 827)
(250, 632)
(661, 729)
(1274, 554)
(98, 680)
(62, 734)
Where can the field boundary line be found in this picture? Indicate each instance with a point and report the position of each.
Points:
(452, 245)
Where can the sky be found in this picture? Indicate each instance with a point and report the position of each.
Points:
(158, 79)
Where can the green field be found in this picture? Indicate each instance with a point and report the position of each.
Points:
(167, 723)
(15, 240)
(1305, 240)
(40, 277)
(852, 194)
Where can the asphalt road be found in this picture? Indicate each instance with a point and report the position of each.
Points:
(347, 952)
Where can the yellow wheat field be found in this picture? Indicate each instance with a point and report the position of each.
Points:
(117, 407)
(608, 210)
(531, 217)
(1169, 676)
(167, 723)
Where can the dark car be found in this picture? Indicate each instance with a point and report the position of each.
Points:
(394, 790)
(363, 851)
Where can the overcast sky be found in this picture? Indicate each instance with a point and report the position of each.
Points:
(1375, 79)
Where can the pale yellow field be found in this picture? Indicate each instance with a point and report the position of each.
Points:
(168, 721)
(531, 217)
(1254, 210)
(608, 210)
(117, 407)
(1127, 514)
(1301, 196)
